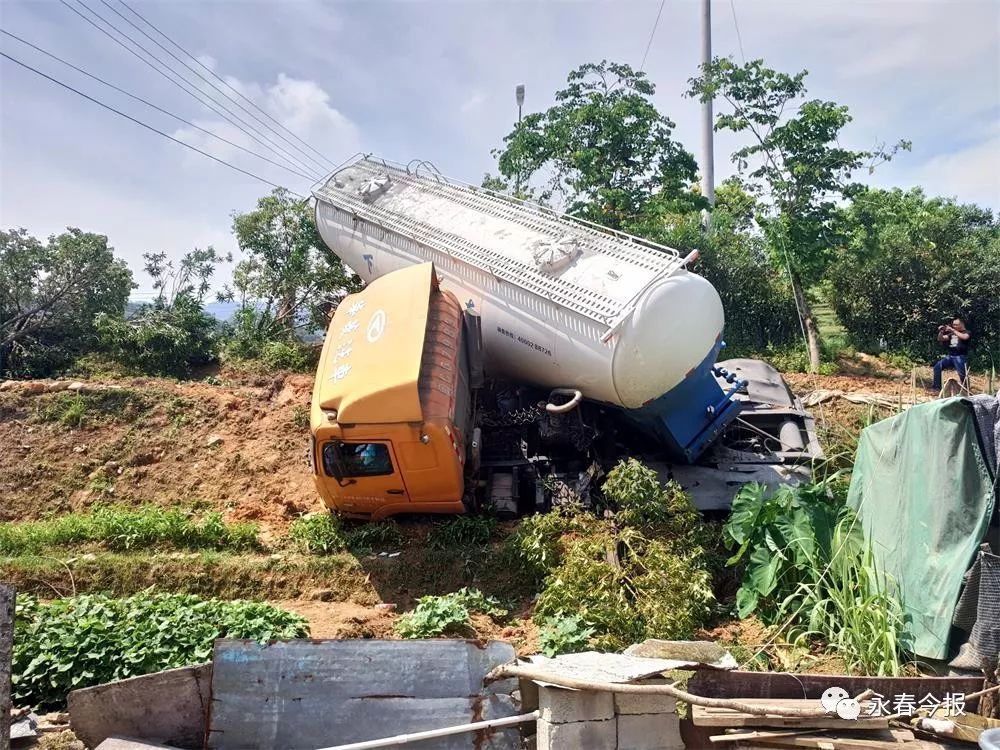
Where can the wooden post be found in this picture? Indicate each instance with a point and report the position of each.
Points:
(7, 593)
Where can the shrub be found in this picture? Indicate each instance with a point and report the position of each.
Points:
(319, 533)
(87, 640)
(563, 634)
(629, 588)
(538, 540)
(643, 503)
(126, 529)
(462, 532)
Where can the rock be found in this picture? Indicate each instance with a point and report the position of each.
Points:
(213, 441)
(76, 385)
(321, 595)
(8, 385)
(33, 387)
(386, 607)
(79, 448)
(57, 385)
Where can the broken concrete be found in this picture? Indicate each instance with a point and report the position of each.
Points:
(129, 743)
(169, 707)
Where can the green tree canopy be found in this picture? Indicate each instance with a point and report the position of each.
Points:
(908, 263)
(50, 294)
(603, 149)
(793, 162)
(288, 280)
(173, 333)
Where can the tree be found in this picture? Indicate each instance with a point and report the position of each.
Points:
(50, 294)
(909, 263)
(174, 332)
(289, 280)
(793, 163)
(604, 149)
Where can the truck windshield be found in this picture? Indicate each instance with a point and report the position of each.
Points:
(342, 460)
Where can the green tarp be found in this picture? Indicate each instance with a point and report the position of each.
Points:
(925, 496)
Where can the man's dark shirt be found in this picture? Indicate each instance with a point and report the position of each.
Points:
(958, 346)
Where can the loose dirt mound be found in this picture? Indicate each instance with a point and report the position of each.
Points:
(240, 447)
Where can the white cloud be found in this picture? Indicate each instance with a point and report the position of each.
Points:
(971, 174)
(474, 102)
(302, 110)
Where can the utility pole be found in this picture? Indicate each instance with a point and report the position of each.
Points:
(707, 131)
(519, 96)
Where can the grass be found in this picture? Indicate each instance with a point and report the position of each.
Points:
(463, 532)
(92, 408)
(125, 529)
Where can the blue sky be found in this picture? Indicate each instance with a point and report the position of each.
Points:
(435, 80)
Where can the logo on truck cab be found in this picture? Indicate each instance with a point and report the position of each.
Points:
(376, 327)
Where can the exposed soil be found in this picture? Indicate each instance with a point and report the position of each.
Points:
(240, 447)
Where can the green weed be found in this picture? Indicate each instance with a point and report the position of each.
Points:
(319, 533)
(371, 536)
(462, 532)
(127, 529)
(300, 417)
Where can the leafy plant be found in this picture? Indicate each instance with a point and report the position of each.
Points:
(320, 533)
(564, 634)
(462, 532)
(300, 417)
(448, 614)
(537, 541)
(809, 573)
(87, 640)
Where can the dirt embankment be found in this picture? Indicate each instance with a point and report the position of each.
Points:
(240, 446)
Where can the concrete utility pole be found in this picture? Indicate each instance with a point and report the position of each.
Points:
(707, 132)
(7, 594)
(519, 96)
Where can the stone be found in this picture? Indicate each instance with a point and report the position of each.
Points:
(76, 385)
(33, 387)
(578, 735)
(128, 743)
(321, 595)
(636, 703)
(560, 706)
(213, 440)
(649, 732)
(8, 385)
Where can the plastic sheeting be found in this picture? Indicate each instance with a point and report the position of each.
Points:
(924, 494)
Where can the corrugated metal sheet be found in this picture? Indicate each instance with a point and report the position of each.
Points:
(310, 694)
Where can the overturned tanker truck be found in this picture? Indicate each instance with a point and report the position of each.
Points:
(505, 353)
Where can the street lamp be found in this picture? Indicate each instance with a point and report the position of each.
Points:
(519, 95)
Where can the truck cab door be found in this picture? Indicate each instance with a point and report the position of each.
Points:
(363, 475)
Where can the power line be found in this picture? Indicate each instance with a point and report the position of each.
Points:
(144, 125)
(739, 38)
(183, 84)
(652, 33)
(225, 82)
(131, 23)
(154, 106)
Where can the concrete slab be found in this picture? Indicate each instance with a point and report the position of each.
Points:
(650, 732)
(578, 735)
(129, 743)
(309, 694)
(559, 706)
(169, 707)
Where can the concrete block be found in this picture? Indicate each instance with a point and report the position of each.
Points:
(577, 735)
(635, 703)
(560, 706)
(127, 743)
(169, 707)
(649, 732)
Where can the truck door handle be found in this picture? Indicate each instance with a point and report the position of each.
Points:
(394, 492)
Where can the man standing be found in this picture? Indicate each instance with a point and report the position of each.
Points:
(956, 337)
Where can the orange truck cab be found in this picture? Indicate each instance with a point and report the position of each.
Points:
(391, 404)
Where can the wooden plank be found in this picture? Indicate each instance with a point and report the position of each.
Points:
(7, 596)
(704, 716)
(739, 684)
(309, 694)
(167, 707)
(736, 684)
